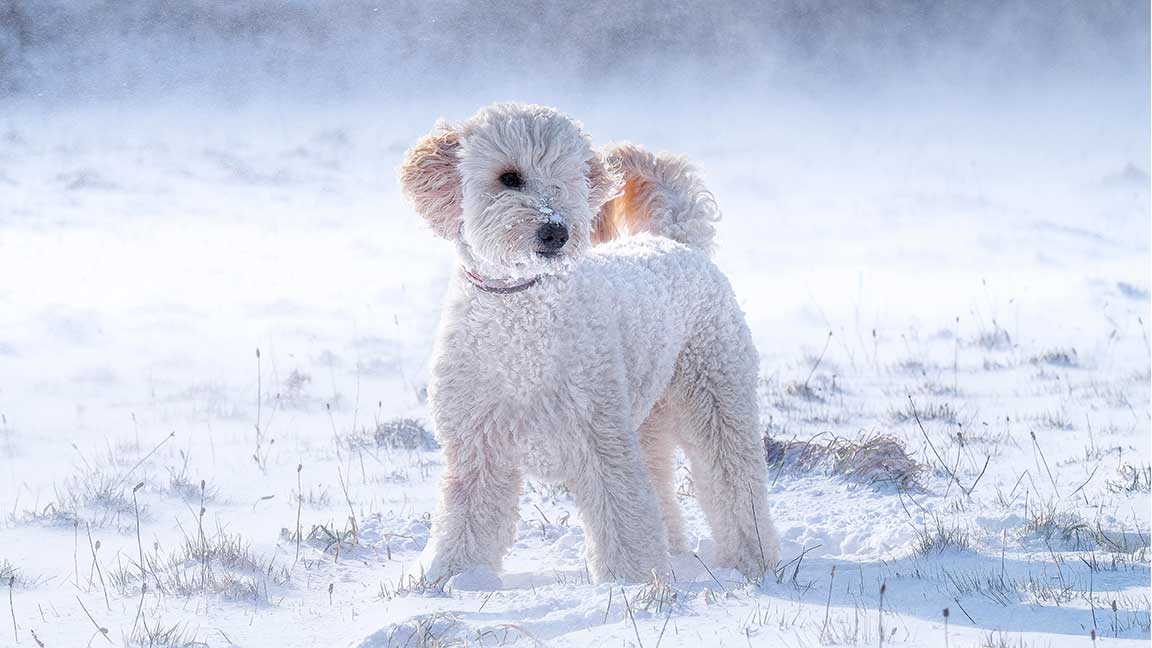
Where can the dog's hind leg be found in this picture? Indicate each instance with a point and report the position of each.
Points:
(717, 378)
(658, 440)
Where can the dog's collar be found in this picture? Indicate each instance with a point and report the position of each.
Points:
(490, 287)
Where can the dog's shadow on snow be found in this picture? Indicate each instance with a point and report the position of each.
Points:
(983, 592)
(980, 591)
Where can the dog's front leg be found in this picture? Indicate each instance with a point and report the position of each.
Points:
(476, 518)
(618, 506)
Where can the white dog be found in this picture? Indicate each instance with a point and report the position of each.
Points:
(585, 336)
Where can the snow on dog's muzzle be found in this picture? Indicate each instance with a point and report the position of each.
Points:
(552, 234)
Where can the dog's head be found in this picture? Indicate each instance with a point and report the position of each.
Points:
(516, 186)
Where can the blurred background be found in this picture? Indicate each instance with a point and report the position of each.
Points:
(69, 51)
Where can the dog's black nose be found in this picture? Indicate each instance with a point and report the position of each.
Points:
(551, 236)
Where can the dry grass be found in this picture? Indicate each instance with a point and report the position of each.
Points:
(940, 537)
(994, 586)
(96, 495)
(159, 635)
(409, 584)
(818, 399)
(1055, 419)
(818, 388)
(995, 339)
(916, 366)
(1048, 523)
(1000, 640)
(658, 597)
(99, 492)
(328, 538)
(435, 630)
(930, 411)
(396, 434)
(1131, 479)
(10, 574)
(1067, 529)
(873, 459)
(1057, 358)
(8, 571)
(844, 629)
(187, 488)
(218, 564)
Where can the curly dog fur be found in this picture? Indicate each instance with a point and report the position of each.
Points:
(587, 335)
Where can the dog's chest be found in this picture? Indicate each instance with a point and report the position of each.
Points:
(507, 356)
(511, 376)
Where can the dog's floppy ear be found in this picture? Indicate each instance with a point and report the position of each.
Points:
(430, 179)
(604, 181)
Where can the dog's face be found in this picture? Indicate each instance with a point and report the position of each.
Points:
(518, 187)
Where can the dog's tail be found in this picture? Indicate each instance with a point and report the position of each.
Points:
(661, 195)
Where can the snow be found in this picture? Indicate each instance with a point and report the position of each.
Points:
(975, 257)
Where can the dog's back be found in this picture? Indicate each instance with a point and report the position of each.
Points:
(661, 195)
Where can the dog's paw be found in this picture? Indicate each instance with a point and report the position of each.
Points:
(450, 571)
(754, 556)
(476, 579)
(433, 567)
(759, 560)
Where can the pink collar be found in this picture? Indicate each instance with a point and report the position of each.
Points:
(487, 286)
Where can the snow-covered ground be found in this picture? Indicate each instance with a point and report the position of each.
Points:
(214, 325)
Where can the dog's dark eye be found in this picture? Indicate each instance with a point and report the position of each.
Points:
(511, 179)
